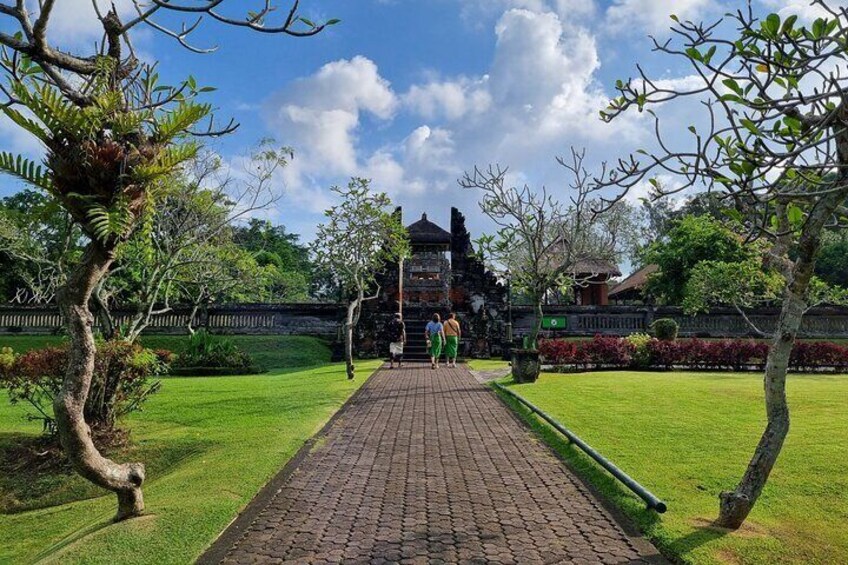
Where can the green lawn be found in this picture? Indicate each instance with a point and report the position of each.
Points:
(687, 436)
(487, 364)
(210, 445)
(266, 351)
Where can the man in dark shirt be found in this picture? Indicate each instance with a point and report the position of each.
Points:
(396, 331)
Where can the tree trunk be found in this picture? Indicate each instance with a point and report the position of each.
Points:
(349, 325)
(107, 323)
(190, 325)
(735, 505)
(75, 435)
(536, 328)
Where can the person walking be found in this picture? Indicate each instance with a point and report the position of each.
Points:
(452, 334)
(396, 331)
(435, 334)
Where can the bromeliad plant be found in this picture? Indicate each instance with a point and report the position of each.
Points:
(111, 133)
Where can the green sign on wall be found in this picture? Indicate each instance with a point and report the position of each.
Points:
(554, 322)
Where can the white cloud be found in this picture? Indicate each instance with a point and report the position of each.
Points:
(75, 22)
(539, 95)
(653, 15)
(804, 9)
(449, 99)
(320, 114)
(575, 9)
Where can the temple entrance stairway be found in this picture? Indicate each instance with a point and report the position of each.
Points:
(416, 344)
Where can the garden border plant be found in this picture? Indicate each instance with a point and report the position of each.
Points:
(642, 352)
(207, 354)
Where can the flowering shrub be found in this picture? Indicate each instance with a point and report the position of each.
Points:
(640, 351)
(119, 384)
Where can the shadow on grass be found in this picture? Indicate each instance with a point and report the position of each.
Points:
(76, 536)
(701, 535)
(32, 485)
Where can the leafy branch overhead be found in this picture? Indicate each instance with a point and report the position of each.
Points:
(772, 143)
(773, 102)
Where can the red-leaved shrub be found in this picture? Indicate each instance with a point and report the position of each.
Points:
(601, 351)
(718, 355)
(120, 383)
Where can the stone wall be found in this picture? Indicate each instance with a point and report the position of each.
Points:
(319, 320)
(484, 328)
(720, 322)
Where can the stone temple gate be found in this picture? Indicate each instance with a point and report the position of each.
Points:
(442, 275)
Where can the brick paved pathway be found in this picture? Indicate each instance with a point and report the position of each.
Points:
(428, 466)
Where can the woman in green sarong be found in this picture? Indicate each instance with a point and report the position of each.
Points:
(435, 334)
(452, 335)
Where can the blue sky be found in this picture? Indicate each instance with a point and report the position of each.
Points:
(411, 93)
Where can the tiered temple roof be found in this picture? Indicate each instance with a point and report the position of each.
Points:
(426, 232)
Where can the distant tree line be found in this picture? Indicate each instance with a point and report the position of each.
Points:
(204, 245)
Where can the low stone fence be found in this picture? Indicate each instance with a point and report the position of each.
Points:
(829, 323)
(319, 320)
(324, 320)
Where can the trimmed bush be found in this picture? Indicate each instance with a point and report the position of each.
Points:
(7, 358)
(665, 329)
(642, 352)
(598, 352)
(120, 383)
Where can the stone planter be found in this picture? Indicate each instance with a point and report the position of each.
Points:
(526, 365)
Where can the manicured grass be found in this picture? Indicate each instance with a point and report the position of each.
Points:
(210, 445)
(688, 436)
(266, 351)
(487, 364)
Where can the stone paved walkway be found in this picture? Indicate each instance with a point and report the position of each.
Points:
(428, 466)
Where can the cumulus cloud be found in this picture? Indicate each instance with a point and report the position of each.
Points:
(320, 115)
(451, 99)
(543, 74)
(804, 9)
(74, 22)
(538, 96)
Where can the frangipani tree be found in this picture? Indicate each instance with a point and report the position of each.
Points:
(772, 92)
(539, 241)
(361, 236)
(110, 131)
(204, 203)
